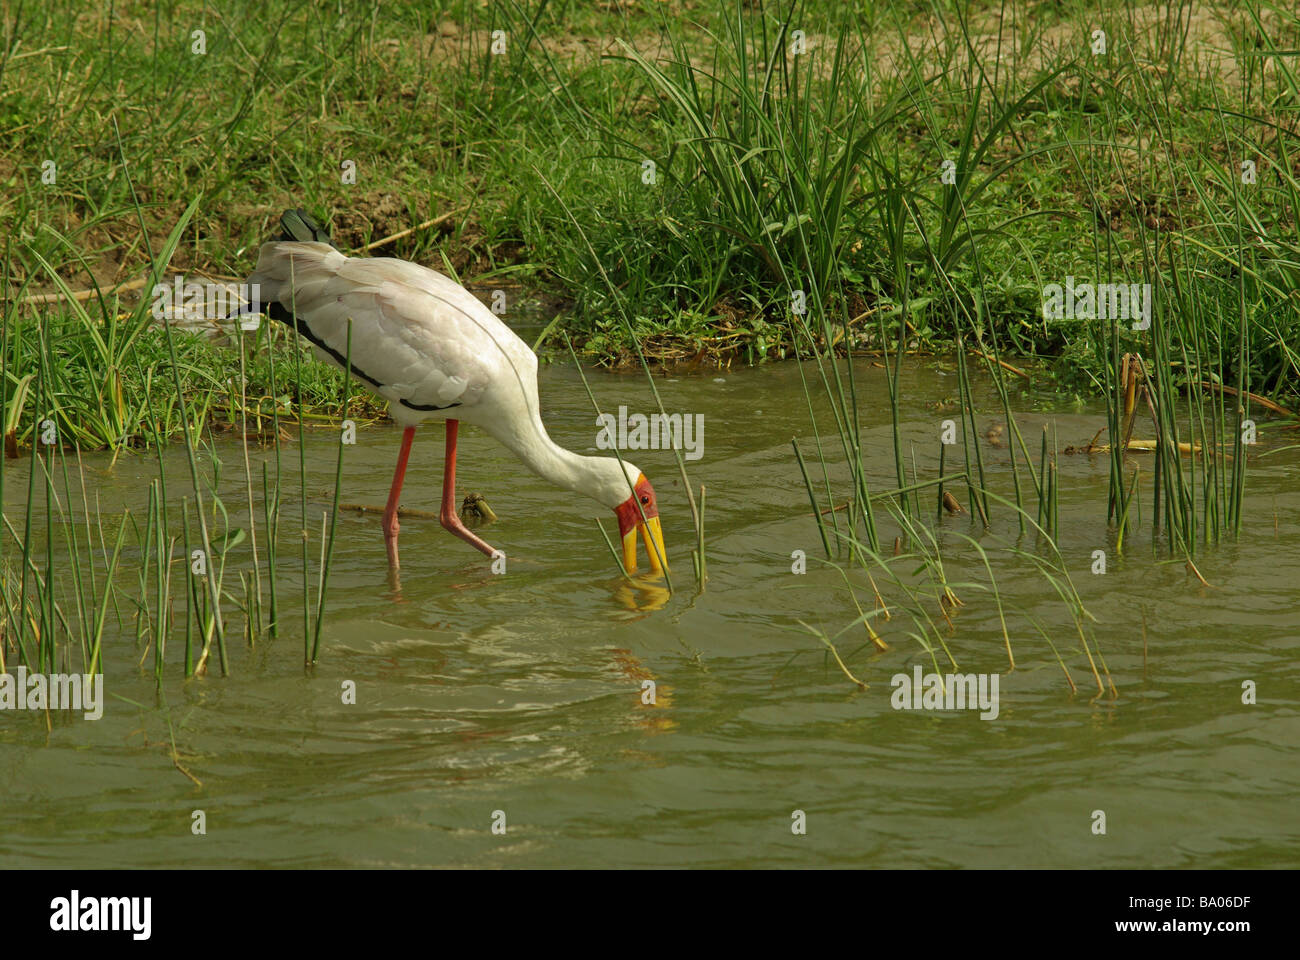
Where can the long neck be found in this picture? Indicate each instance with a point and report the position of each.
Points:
(595, 477)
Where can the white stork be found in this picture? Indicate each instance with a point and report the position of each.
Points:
(434, 352)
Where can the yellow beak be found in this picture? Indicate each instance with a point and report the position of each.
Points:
(653, 534)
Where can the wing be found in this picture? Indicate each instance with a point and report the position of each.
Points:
(419, 339)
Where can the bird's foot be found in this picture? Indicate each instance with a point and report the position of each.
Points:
(453, 525)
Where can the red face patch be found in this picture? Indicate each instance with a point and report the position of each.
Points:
(628, 514)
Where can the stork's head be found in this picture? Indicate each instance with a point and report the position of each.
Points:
(640, 511)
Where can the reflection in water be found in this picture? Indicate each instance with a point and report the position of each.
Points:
(651, 695)
(641, 595)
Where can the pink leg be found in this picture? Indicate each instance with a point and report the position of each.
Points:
(391, 526)
(450, 519)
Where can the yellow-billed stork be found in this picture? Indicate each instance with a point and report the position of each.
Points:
(434, 352)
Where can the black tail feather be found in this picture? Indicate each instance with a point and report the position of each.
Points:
(299, 225)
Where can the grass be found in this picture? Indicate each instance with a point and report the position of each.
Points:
(133, 402)
(833, 150)
(939, 239)
(802, 181)
(72, 572)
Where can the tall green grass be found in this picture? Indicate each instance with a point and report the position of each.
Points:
(786, 158)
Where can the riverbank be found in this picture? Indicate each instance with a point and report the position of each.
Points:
(703, 182)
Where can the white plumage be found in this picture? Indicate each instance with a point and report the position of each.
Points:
(424, 338)
(429, 347)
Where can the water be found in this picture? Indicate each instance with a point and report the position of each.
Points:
(521, 693)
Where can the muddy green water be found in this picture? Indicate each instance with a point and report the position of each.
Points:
(521, 693)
